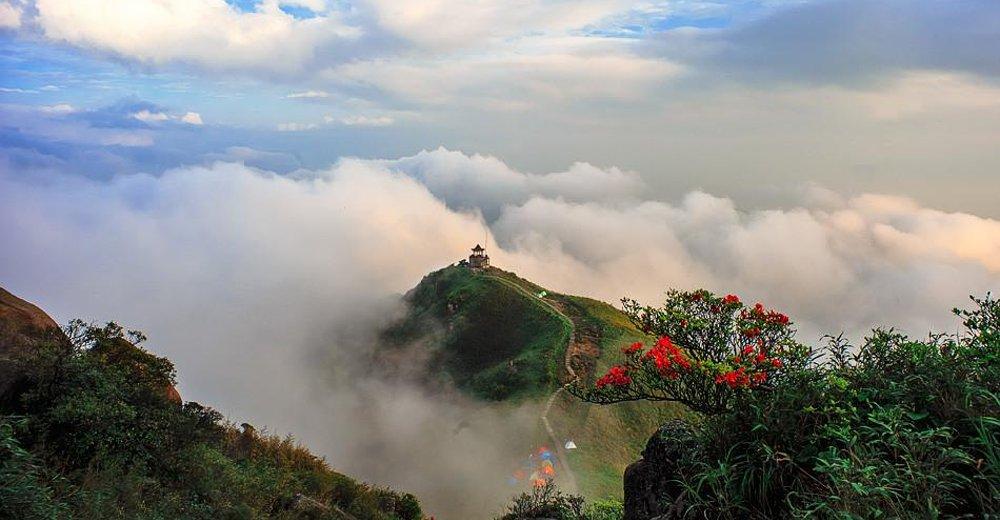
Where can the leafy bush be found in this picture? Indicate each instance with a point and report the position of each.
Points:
(24, 492)
(545, 501)
(90, 431)
(894, 427)
(607, 509)
(711, 352)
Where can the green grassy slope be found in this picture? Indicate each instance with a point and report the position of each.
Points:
(490, 337)
(497, 340)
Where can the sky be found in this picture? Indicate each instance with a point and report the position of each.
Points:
(253, 183)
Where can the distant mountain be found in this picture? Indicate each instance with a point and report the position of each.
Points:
(499, 337)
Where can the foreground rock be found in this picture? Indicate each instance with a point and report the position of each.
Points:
(651, 487)
(24, 326)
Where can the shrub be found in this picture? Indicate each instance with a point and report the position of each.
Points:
(545, 501)
(608, 509)
(712, 351)
(894, 427)
(97, 436)
(24, 492)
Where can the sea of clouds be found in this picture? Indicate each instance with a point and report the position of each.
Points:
(266, 289)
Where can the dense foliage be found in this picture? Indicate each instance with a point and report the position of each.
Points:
(90, 430)
(711, 351)
(891, 428)
(546, 501)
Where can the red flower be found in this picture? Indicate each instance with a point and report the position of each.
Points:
(616, 376)
(760, 377)
(666, 355)
(761, 357)
(776, 363)
(777, 318)
(747, 349)
(715, 309)
(731, 299)
(752, 332)
(633, 348)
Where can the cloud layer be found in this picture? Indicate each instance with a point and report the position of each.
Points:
(266, 289)
(209, 33)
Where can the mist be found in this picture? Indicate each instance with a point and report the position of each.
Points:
(267, 291)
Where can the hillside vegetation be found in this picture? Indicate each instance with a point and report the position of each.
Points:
(91, 428)
(895, 427)
(503, 339)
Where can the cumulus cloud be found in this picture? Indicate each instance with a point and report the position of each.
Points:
(875, 260)
(265, 289)
(487, 184)
(150, 117)
(10, 16)
(208, 33)
(296, 127)
(192, 118)
(431, 22)
(266, 160)
(61, 108)
(309, 94)
(154, 117)
(362, 120)
(315, 261)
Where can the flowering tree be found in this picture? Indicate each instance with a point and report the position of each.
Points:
(711, 351)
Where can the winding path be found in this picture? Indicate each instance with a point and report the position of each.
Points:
(544, 417)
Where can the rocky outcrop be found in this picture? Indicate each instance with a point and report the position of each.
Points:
(22, 326)
(651, 487)
(23, 316)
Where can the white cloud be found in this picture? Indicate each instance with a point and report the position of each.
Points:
(49, 88)
(926, 91)
(52, 124)
(209, 33)
(150, 117)
(277, 276)
(296, 127)
(432, 23)
(364, 120)
(526, 73)
(313, 5)
(192, 118)
(10, 16)
(309, 94)
(61, 108)
(877, 260)
(11, 90)
(488, 184)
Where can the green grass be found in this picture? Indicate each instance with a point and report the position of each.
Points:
(491, 337)
(609, 437)
(498, 341)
